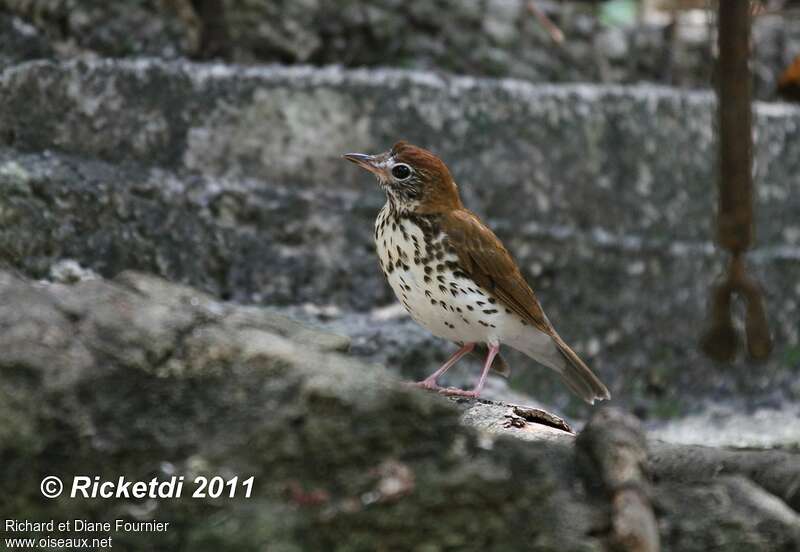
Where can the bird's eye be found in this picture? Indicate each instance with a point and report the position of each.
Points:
(401, 171)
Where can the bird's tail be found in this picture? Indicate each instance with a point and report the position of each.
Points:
(550, 350)
(578, 377)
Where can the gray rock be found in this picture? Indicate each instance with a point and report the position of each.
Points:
(725, 425)
(98, 28)
(170, 382)
(142, 378)
(755, 508)
(20, 41)
(67, 271)
(230, 179)
(612, 160)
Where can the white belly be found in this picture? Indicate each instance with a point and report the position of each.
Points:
(435, 293)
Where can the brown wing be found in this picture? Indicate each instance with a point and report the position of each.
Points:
(483, 257)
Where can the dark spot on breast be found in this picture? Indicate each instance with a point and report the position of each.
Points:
(492, 300)
(427, 279)
(480, 303)
(489, 311)
(470, 307)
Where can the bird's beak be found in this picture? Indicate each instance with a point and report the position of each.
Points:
(368, 162)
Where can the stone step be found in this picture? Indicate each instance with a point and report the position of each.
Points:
(230, 179)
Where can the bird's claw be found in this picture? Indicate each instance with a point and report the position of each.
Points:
(454, 391)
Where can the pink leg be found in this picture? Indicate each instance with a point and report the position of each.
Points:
(430, 381)
(494, 348)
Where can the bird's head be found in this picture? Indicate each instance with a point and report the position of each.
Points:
(414, 179)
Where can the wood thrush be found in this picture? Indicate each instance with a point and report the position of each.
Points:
(454, 277)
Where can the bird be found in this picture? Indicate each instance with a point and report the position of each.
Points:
(454, 276)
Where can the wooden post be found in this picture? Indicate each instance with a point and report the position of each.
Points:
(735, 227)
(735, 224)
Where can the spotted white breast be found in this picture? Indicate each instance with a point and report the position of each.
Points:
(426, 277)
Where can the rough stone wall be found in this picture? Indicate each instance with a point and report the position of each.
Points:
(495, 38)
(231, 179)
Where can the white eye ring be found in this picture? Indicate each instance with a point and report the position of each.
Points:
(401, 171)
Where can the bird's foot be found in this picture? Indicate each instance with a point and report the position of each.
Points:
(456, 392)
(428, 383)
